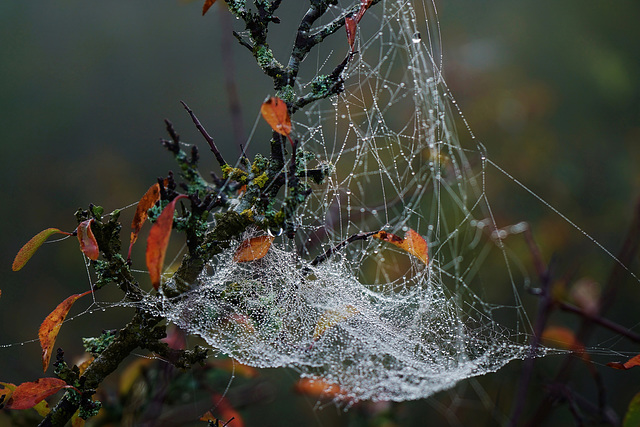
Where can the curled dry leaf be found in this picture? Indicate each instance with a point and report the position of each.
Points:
(412, 243)
(26, 252)
(147, 201)
(631, 363)
(51, 326)
(350, 25)
(331, 318)
(274, 111)
(158, 241)
(207, 5)
(253, 248)
(27, 395)
(88, 243)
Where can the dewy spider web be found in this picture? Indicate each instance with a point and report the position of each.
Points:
(371, 319)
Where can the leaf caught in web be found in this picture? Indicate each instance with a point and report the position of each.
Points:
(29, 394)
(88, 243)
(150, 198)
(253, 248)
(26, 252)
(331, 318)
(350, 26)
(274, 111)
(412, 243)
(158, 241)
(51, 326)
(631, 363)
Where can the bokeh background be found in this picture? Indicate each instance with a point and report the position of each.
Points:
(552, 90)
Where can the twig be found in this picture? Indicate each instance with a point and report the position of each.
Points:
(204, 133)
(324, 256)
(605, 323)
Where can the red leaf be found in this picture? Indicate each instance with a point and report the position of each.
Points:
(274, 111)
(207, 5)
(158, 241)
(88, 243)
(364, 5)
(26, 252)
(51, 326)
(147, 201)
(413, 243)
(252, 249)
(350, 25)
(28, 395)
(633, 362)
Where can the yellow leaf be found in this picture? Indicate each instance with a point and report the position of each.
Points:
(412, 243)
(331, 318)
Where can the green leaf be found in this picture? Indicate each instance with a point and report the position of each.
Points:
(632, 417)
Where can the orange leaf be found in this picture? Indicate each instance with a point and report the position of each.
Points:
(413, 243)
(147, 201)
(319, 387)
(237, 368)
(634, 361)
(158, 241)
(330, 318)
(26, 252)
(558, 336)
(350, 26)
(253, 248)
(88, 243)
(274, 111)
(51, 326)
(207, 5)
(28, 395)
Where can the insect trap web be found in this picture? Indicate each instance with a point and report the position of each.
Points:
(371, 318)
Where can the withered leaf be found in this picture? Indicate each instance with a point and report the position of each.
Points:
(88, 243)
(412, 243)
(274, 111)
(51, 326)
(253, 248)
(631, 363)
(207, 5)
(158, 241)
(29, 394)
(331, 318)
(147, 201)
(26, 252)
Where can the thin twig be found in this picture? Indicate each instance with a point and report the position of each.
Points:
(204, 133)
(324, 256)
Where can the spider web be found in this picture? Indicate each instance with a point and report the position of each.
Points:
(372, 320)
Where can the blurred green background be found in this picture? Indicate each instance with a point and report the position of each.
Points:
(551, 89)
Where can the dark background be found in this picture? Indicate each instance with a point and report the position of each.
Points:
(551, 88)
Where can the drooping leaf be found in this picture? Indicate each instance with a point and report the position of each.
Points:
(88, 243)
(207, 5)
(631, 363)
(158, 241)
(253, 248)
(27, 395)
(26, 252)
(319, 388)
(632, 417)
(412, 243)
(274, 111)
(350, 26)
(51, 326)
(331, 318)
(147, 201)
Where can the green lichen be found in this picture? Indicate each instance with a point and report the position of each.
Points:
(287, 94)
(321, 85)
(261, 180)
(264, 56)
(260, 164)
(248, 214)
(97, 345)
(234, 174)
